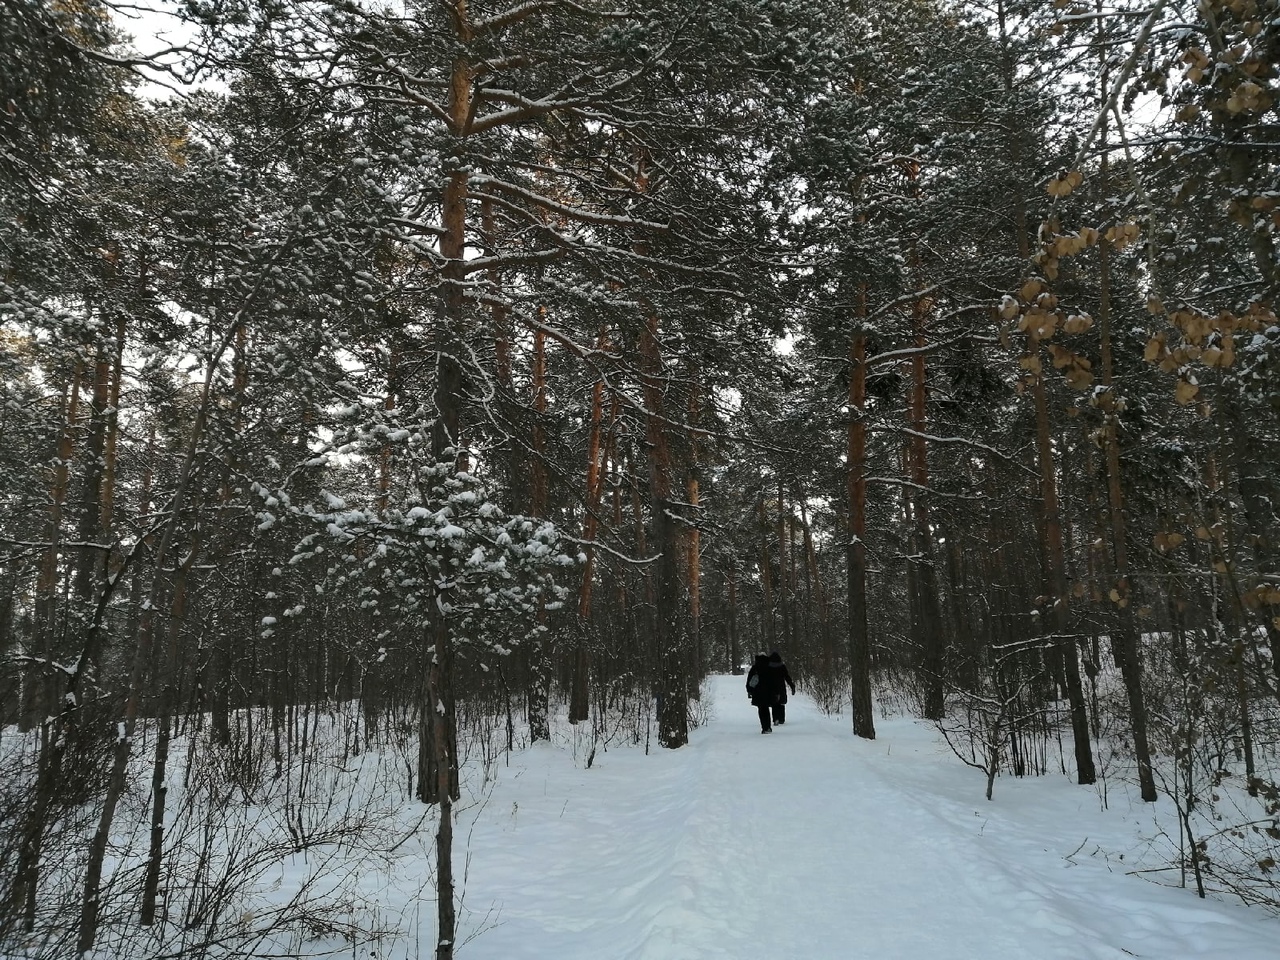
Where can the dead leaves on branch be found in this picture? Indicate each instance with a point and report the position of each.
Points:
(1123, 234)
(1263, 595)
(1248, 97)
(1246, 210)
(1232, 76)
(1194, 338)
(1036, 311)
(1200, 338)
(1185, 392)
(1198, 64)
(1066, 181)
(1167, 542)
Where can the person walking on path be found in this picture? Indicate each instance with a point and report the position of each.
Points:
(779, 680)
(760, 690)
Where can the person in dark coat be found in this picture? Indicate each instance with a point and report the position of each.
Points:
(779, 680)
(760, 690)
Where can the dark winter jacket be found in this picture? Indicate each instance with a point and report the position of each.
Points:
(779, 678)
(762, 692)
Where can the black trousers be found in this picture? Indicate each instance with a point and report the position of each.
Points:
(779, 713)
(763, 710)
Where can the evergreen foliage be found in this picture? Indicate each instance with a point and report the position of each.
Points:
(466, 362)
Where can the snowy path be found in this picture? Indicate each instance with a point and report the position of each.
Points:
(809, 844)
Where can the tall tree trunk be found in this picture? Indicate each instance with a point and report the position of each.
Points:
(766, 575)
(1055, 581)
(579, 697)
(168, 672)
(1125, 637)
(1051, 543)
(672, 662)
(1126, 646)
(437, 761)
(786, 588)
(645, 645)
(731, 620)
(862, 705)
(91, 562)
(539, 667)
(921, 561)
(510, 459)
(1228, 613)
(1260, 501)
(42, 690)
(813, 588)
(388, 405)
(22, 897)
(110, 456)
(693, 537)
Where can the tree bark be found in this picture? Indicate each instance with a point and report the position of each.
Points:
(579, 697)
(693, 539)
(539, 668)
(42, 690)
(1055, 583)
(862, 704)
(672, 662)
(932, 642)
(1126, 647)
(437, 761)
(164, 722)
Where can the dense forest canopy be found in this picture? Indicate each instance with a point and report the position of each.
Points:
(462, 364)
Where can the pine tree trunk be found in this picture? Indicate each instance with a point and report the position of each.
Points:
(437, 761)
(731, 621)
(43, 689)
(539, 668)
(785, 595)
(672, 660)
(924, 574)
(1126, 647)
(693, 542)
(863, 706)
(766, 576)
(1056, 583)
(579, 697)
(1260, 502)
(1233, 619)
(164, 721)
(110, 453)
(388, 405)
(91, 562)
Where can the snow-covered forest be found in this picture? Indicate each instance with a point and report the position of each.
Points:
(414, 411)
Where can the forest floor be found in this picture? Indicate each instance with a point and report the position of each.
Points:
(810, 843)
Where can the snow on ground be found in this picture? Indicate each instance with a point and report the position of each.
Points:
(810, 843)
